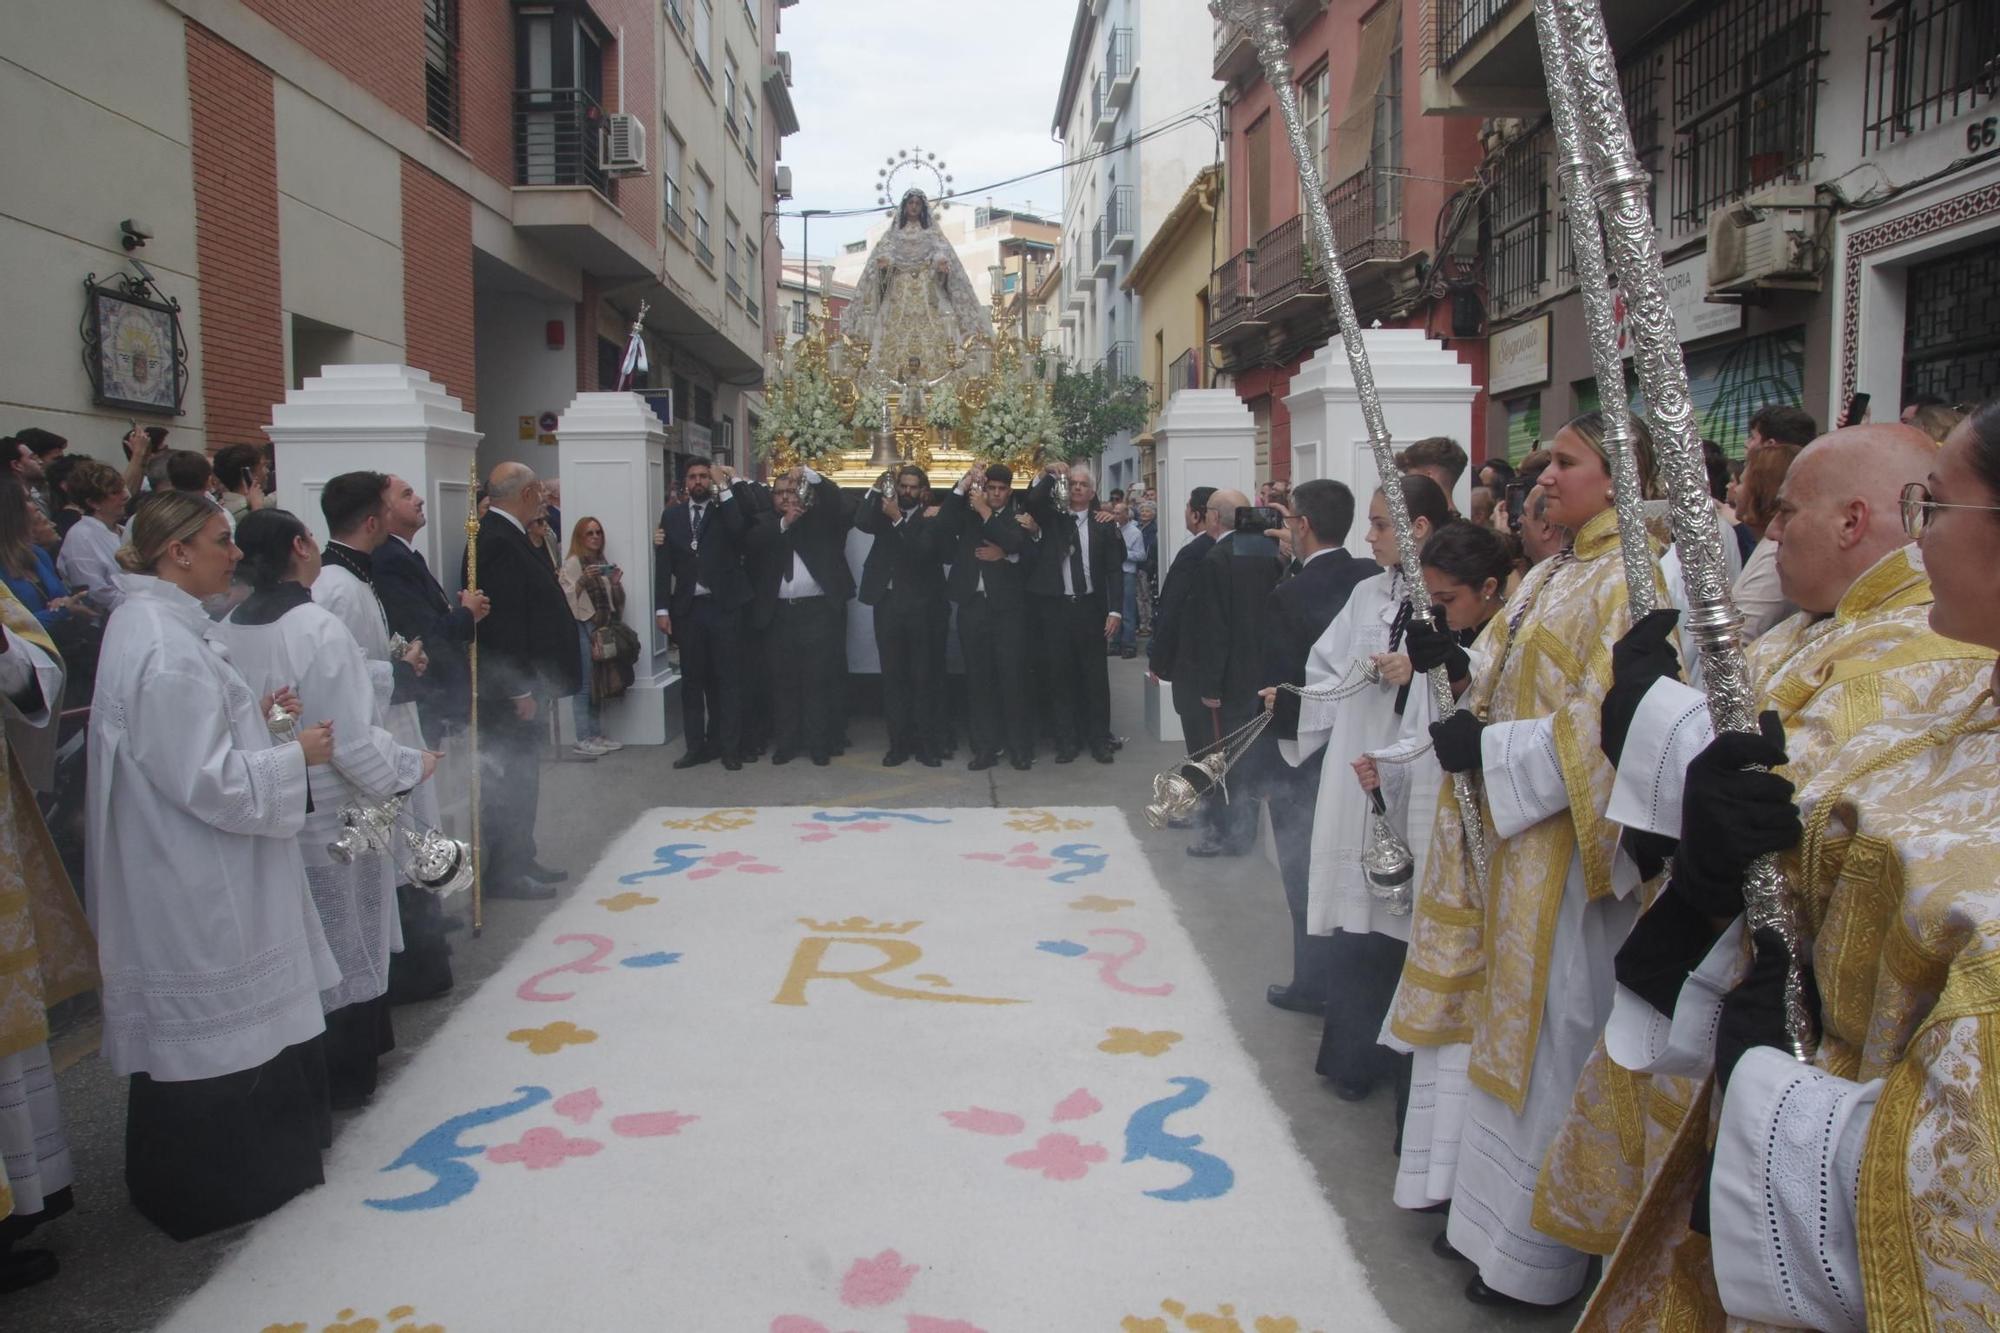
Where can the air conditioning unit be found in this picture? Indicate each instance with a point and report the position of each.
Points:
(624, 144)
(784, 62)
(1763, 241)
(783, 178)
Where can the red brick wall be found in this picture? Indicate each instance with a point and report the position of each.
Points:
(486, 87)
(379, 44)
(437, 280)
(236, 237)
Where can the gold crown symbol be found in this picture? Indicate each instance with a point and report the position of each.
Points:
(861, 925)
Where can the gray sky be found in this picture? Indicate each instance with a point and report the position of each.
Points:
(973, 81)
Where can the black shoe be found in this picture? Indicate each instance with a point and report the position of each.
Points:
(1346, 1089)
(783, 757)
(1206, 849)
(733, 765)
(522, 889)
(1065, 755)
(1479, 1293)
(543, 875)
(1444, 1249)
(980, 761)
(1129, 653)
(929, 760)
(20, 1269)
(693, 758)
(1022, 763)
(1101, 753)
(895, 758)
(1287, 997)
(822, 760)
(1110, 650)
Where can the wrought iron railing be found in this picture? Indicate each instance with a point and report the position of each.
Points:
(1119, 213)
(1462, 22)
(1120, 360)
(731, 287)
(558, 138)
(1746, 84)
(1518, 218)
(1931, 61)
(1367, 211)
(441, 66)
(1117, 54)
(1229, 293)
(1282, 269)
(1185, 372)
(676, 221)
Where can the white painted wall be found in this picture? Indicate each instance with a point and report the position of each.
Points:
(97, 133)
(518, 374)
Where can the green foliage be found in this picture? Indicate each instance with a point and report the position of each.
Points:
(1091, 406)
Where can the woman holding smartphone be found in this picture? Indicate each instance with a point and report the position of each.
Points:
(596, 591)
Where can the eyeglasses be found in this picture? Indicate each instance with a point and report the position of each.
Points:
(1919, 509)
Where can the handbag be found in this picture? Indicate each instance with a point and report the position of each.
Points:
(604, 645)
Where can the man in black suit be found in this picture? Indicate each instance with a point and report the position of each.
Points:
(1300, 609)
(419, 608)
(903, 580)
(702, 590)
(981, 522)
(1168, 643)
(1077, 584)
(527, 654)
(1225, 617)
(804, 572)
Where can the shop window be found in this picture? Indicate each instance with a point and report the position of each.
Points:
(1524, 425)
(1951, 327)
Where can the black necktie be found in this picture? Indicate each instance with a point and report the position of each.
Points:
(694, 528)
(1078, 583)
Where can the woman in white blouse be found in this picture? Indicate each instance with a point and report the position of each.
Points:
(212, 955)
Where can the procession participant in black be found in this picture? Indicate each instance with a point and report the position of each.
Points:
(703, 590)
(980, 523)
(1170, 651)
(1226, 609)
(806, 573)
(903, 580)
(1078, 572)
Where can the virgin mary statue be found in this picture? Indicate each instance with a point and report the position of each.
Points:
(915, 301)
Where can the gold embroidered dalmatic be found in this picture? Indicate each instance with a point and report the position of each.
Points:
(1479, 958)
(1828, 678)
(46, 950)
(1899, 875)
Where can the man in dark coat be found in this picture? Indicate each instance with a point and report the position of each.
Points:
(983, 532)
(1300, 609)
(1077, 586)
(418, 607)
(804, 575)
(903, 581)
(527, 655)
(1170, 650)
(703, 591)
(1225, 615)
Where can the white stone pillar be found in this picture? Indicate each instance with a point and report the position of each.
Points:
(1425, 390)
(1206, 437)
(382, 418)
(612, 457)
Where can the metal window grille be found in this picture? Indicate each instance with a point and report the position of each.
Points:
(1364, 226)
(1951, 329)
(1229, 293)
(1518, 216)
(1281, 265)
(1929, 62)
(441, 66)
(1385, 152)
(1461, 22)
(1746, 82)
(558, 138)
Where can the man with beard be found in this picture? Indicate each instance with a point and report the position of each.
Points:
(903, 580)
(703, 589)
(1079, 591)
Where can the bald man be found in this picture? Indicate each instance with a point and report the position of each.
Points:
(1225, 623)
(1859, 650)
(527, 657)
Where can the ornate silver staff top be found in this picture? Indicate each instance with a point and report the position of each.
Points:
(1594, 281)
(1591, 70)
(1260, 20)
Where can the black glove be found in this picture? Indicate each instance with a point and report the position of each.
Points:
(1430, 647)
(1457, 742)
(1754, 1013)
(1639, 659)
(1731, 815)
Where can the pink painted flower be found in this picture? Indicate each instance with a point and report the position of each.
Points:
(759, 868)
(979, 1120)
(650, 1124)
(923, 1323)
(724, 860)
(1031, 863)
(876, 1282)
(1079, 1105)
(579, 1106)
(1059, 1157)
(541, 1148)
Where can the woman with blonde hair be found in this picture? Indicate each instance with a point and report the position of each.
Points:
(211, 951)
(596, 592)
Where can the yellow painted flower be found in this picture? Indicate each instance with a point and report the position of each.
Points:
(552, 1037)
(1095, 902)
(1044, 821)
(626, 901)
(1131, 1041)
(717, 821)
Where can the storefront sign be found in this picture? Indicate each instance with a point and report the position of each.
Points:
(1518, 358)
(1695, 317)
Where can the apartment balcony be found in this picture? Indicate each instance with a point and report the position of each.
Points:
(1121, 360)
(1183, 373)
(1229, 295)
(1236, 54)
(1487, 60)
(1120, 223)
(1080, 288)
(1103, 115)
(1119, 71)
(1104, 258)
(1284, 271)
(1367, 211)
(563, 196)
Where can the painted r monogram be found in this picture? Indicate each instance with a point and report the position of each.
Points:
(809, 964)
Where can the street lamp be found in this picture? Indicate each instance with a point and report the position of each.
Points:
(806, 215)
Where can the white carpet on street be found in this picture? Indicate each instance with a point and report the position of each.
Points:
(821, 1071)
